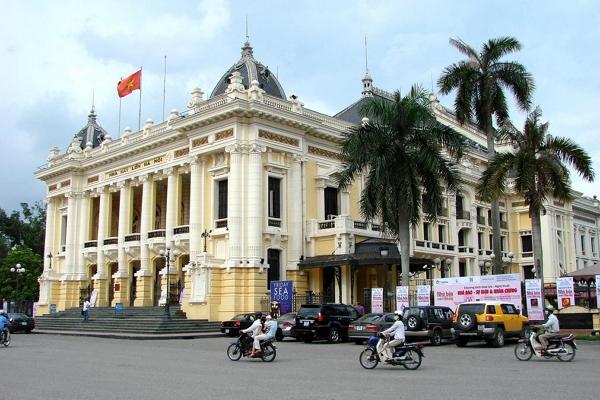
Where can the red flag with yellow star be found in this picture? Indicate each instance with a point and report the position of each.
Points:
(129, 84)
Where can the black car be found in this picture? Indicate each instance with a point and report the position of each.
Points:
(324, 321)
(369, 325)
(20, 323)
(428, 322)
(239, 322)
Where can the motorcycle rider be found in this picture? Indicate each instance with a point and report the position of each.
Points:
(551, 328)
(253, 329)
(270, 328)
(397, 331)
(4, 324)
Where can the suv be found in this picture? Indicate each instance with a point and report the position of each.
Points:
(324, 321)
(432, 322)
(491, 321)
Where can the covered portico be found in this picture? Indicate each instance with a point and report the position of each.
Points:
(346, 278)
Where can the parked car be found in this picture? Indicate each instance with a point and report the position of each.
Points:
(324, 321)
(239, 322)
(286, 326)
(491, 321)
(369, 325)
(20, 323)
(433, 323)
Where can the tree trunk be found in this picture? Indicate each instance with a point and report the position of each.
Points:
(496, 245)
(404, 241)
(536, 233)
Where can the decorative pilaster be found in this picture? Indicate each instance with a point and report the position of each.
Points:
(144, 275)
(101, 281)
(50, 227)
(121, 277)
(171, 204)
(294, 222)
(196, 209)
(234, 204)
(84, 221)
(255, 215)
(71, 232)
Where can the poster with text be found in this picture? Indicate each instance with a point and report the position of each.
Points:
(565, 292)
(401, 298)
(450, 292)
(282, 292)
(535, 303)
(93, 298)
(377, 299)
(423, 295)
(597, 290)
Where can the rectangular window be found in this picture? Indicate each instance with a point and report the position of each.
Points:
(425, 230)
(273, 261)
(274, 197)
(593, 243)
(490, 217)
(442, 233)
(331, 202)
(480, 240)
(582, 244)
(502, 243)
(63, 232)
(222, 200)
(491, 242)
(526, 244)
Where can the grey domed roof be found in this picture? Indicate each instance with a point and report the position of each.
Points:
(250, 69)
(92, 132)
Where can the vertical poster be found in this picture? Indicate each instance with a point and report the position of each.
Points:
(401, 298)
(377, 300)
(565, 292)
(597, 290)
(423, 295)
(282, 292)
(93, 298)
(535, 303)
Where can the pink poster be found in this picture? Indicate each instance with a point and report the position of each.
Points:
(401, 298)
(535, 303)
(376, 300)
(565, 292)
(597, 290)
(423, 295)
(450, 292)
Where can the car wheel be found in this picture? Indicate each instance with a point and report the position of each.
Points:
(28, 331)
(334, 335)
(413, 323)
(307, 339)
(498, 340)
(436, 337)
(467, 321)
(462, 342)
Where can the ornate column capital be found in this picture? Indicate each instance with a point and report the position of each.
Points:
(236, 148)
(256, 148)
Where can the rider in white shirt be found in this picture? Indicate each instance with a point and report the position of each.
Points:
(551, 327)
(270, 328)
(397, 331)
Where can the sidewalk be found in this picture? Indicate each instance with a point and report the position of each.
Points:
(132, 336)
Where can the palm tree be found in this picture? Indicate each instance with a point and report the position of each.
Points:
(538, 169)
(479, 82)
(401, 151)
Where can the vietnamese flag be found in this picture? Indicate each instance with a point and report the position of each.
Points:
(129, 84)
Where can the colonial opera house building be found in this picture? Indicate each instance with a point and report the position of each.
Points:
(240, 188)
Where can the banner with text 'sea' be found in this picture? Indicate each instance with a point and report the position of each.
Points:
(451, 292)
(282, 293)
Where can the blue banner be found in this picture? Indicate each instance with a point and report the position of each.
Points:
(282, 293)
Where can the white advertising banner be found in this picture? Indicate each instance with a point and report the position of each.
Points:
(401, 298)
(597, 291)
(93, 298)
(450, 292)
(377, 300)
(423, 295)
(565, 292)
(535, 302)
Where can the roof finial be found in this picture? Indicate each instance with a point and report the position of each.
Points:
(247, 49)
(247, 37)
(93, 108)
(367, 81)
(366, 57)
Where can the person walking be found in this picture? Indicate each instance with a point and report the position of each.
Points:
(85, 311)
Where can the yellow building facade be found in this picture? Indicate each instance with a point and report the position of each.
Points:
(240, 188)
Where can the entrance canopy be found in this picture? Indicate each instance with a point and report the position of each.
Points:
(586, 273)
(368, 253)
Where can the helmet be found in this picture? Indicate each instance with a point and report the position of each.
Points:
(550, 309)
(251, 318)
(397, 315)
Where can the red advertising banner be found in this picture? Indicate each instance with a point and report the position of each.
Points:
(565, 292)
(377, 300)
(423, 295)
(535, 303)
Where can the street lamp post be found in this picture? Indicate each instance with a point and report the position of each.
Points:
(49, 261)
(17, 269)
(169, 255)
(484, 266)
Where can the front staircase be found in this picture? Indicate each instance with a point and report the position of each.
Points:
(131, 322)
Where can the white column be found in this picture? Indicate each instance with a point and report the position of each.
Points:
(320, 200)
(171, 204)
(294, 222)
(345, 202)
(50, 228)
(84, 221)
(70, 249)
(196, 212)
(234, 204)
(146, 220)
(255, 211)
(124, 223)
(102, 225)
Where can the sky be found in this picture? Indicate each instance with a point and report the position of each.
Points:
(58, 55)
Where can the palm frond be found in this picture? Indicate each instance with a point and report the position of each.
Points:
(465, 49)
(495, 49)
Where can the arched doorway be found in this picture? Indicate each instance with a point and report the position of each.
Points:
(158, 264)
(113, 268)
(134, 268)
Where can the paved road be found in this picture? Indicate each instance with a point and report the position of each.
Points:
(59, 367)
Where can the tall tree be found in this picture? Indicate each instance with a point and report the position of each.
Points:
(538, 169)
(25, 228)
(480, 81)
(27, 281)
(403, 153)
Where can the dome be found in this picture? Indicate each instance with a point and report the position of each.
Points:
(250, 69)
(91, 133)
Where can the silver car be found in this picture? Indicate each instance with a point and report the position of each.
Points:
(286, 326)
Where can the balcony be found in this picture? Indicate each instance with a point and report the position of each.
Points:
(90, 244)
(158, 233)
(462, 214)
(466, 250)
(503, 224)
(481, 220)
(274, 222)
(340, 225)
(427, 244)
(482, 252)
(181, 230)
(111, 241)
(134, 237)
(221, 223)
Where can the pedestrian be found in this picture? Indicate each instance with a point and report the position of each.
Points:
(85, 311)
(359, 308)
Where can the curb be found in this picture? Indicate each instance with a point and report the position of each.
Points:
(132, 336)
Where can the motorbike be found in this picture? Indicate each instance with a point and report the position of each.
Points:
(562, 347)
(407, 355)
(243, 346)
(5, 337)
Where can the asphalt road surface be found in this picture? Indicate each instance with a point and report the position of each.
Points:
(62, 367)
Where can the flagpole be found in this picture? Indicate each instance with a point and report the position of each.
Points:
(164, 87)
(140, 110)
(119, 130)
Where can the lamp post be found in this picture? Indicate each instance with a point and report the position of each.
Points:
(510, 257)
(17, 269)
(49, 261)
(204, 235)
(484, 266)
(169, 255)
(384, 252)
